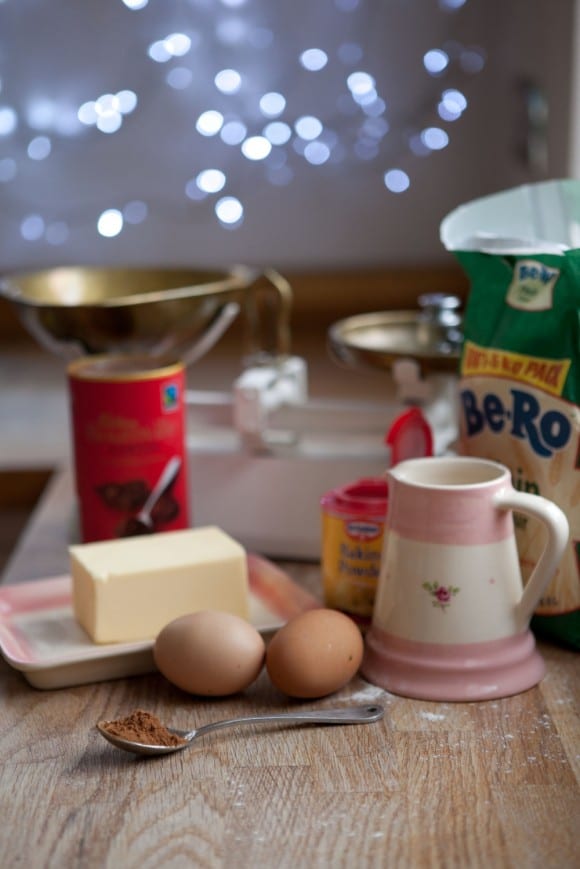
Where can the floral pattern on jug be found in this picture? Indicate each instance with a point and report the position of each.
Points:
(442, 594)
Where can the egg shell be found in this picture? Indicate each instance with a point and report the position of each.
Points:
(315, 654)
(210, 653)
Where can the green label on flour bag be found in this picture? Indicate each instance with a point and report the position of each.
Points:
(519, 395)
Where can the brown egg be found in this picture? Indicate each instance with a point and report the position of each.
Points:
(316, 653)
(210, 653)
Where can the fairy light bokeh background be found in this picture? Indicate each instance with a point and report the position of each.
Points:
(309, 133)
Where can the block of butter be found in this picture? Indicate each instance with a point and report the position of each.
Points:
(128, 589)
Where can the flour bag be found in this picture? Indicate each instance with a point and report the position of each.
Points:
(519, 384)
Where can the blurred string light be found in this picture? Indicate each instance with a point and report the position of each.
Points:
(228, 81)
(452, 105)
(110, 223)
(107, 111)
(350, 53)
(434, 138)
(179, 78)
(472, 61)
(57, 233)
(277, 132)
(8, 169)
(256, 148)
(314, 59)
(135, 212)
(39, 148)
(32, 227)
(8, 120)
(362, 86)
(209, 123)
(250, 123)
(233, 132)
(316, 153)
(396, 180)
(436, 61)
(272, 104)
(308, 127)
(174, 45)
(229, 210)
(47, 115)
(211, 180)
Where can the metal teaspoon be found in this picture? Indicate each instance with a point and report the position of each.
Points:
(343, 715)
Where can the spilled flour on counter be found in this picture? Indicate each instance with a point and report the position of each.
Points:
(371, 692)
(432, 716)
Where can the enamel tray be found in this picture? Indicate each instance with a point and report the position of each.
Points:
(40, 637)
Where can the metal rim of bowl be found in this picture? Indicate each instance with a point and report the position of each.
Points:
(344, 347)
(238, 278)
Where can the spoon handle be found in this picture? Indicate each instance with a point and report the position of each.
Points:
(344, 715)
(167, 475)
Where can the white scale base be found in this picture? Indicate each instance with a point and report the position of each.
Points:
(261, 458)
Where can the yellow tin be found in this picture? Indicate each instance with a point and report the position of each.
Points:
(353, 520)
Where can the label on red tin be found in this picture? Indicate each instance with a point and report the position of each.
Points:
(129, 446)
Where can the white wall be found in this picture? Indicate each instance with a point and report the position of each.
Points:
(332, 215)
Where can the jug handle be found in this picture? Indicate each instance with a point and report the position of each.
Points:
(556, 524)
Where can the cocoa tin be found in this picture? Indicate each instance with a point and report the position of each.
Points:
(353, 520)
(128, 426)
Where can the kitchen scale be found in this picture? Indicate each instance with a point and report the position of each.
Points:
(261, 455)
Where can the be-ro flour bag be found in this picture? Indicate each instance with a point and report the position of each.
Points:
(519, 384)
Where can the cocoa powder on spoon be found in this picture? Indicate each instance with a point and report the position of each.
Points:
(144, 727)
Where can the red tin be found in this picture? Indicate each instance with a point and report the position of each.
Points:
(128, 424)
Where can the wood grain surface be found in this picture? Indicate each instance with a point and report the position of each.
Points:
(492, 784)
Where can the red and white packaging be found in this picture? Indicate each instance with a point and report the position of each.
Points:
(129, 438)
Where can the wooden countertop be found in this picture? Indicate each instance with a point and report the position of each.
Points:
(491, 784)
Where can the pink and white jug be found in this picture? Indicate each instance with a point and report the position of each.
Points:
(451, 617)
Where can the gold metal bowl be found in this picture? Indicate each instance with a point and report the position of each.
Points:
(75, 311)
(381, 338)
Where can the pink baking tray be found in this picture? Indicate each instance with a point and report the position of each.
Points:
(40, 637)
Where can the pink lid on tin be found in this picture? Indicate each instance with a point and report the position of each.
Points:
(365, 497)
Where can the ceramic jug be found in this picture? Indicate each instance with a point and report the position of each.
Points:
(451, 615)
